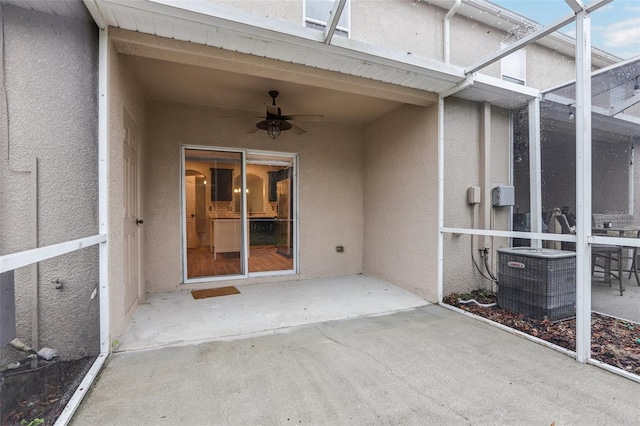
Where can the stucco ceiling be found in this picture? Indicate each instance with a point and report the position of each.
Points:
(176, 82)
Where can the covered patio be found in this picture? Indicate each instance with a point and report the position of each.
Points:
(389, 202)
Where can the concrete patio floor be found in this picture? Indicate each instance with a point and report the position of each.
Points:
(174, 318)
(352, 350)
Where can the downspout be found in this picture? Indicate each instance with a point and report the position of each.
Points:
(447, 30)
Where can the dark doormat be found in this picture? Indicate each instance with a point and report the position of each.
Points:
(214, 292)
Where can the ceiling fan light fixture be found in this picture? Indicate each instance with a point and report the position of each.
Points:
(273, 129)
(273, 126)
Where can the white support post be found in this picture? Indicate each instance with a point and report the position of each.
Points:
(583, 186)
(535, 174)
(103, 206)
(631, 177)
(485, 171)
(35, 267)
(440, 198)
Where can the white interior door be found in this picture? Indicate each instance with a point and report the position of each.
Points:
(131, 210)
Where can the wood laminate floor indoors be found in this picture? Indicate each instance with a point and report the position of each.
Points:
(200, 261)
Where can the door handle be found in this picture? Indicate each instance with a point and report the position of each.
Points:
(139, 221)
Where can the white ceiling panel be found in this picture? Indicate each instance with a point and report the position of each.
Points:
(246, 95)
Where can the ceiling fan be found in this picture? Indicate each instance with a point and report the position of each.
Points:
(276, 123)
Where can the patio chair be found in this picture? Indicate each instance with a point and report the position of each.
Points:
(609, 254)
(553, 227)
(620, 221)
(634, 262)
(566, 229)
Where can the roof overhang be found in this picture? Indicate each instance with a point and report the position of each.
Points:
(484, 88)
(223, 27)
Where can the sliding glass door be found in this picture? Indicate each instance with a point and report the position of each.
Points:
(239, 214)
(270, 213)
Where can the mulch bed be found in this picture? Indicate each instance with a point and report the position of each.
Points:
(613, 341)
(37, 395)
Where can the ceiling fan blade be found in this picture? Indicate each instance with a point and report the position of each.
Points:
(297, 130)
(253, 129)
(303, 117)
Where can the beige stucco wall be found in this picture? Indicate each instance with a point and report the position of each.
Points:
(403, 26)
(401, 199)
(462, 170)
(124, 92)
(416, 27)
(283, 10)
(50, 77)
(330, 179)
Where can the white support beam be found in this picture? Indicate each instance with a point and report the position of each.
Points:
(103, 186)
(542, 32)
(551, 97)
(522, 234)
(575, 5)
(621, 106)
(537, 35)
(595, 5)
(535, 170)
(81, 391)
(14, 261)
(467, 82)
(332, 22)
(583, 186)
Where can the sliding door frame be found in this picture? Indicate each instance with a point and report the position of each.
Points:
(245, 243)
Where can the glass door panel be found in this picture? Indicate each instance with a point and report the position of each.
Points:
(270, 207)
(213, 213)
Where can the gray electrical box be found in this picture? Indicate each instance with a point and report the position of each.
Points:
(7, 308)
(503, 196)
